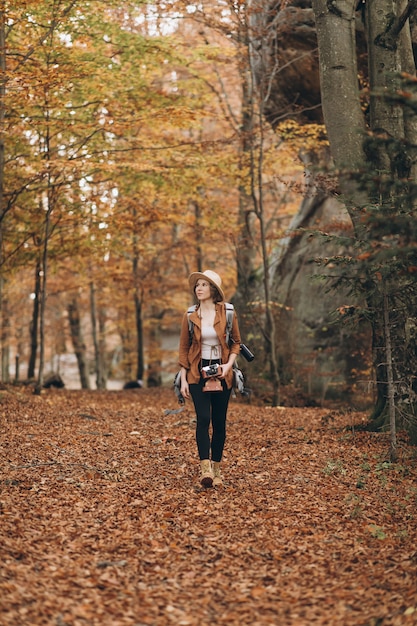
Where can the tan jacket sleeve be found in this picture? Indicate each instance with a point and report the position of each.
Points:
(184, 347)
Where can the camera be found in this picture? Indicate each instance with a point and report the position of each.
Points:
(211, 370)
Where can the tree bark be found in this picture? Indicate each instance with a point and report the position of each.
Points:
(78, 342)
(99, 346)
(342, 111)
(387, 120)
(2, 117)
(384, 67)
(5, 334)
(390, 381)
(34, 324)
(43, 276)
(245, 252)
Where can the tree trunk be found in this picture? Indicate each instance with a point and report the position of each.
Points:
(2, 96)
(34, 324)
(384, 67)
(98, 342)
(78, 342)
(5, 335)
(390, 381)
(198, 237)
(408, 65)
(140, 353)
(102, 347)
(43, 275)
(345, 130)
(390, 55)
(140, 367)
(342, 111)
(154, 378)
(2, 116)
(245, 252)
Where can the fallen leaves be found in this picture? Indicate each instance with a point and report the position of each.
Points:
(103, 520)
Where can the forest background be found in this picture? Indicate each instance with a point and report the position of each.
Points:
(272, 141)
(122, 168)
(144, 141)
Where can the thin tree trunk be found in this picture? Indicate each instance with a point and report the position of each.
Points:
(2, 116)
(198, 237)
(246, 252)
(2, 96)
(154, 351)
(16, 368)
(390, 385)
(102, 348)
(97, 342)
(140, 362)
(34, 324)
(257, 185)
(270, 322)
(140, 368)
(140, 359)
(78, 342)
(5, 334)
(43, 275)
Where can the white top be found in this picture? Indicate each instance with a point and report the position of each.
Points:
(210, 347)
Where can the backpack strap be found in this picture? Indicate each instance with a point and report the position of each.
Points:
(190, 310)
(230, 309)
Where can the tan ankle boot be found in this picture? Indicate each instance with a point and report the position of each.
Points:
(206, 473)
(217, 477)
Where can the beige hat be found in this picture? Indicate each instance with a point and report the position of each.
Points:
(212, 277)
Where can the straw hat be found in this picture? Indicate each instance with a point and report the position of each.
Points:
(209, 275)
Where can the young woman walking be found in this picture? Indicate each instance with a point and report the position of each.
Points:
(205, 355)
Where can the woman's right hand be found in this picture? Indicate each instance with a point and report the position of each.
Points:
(185, 390)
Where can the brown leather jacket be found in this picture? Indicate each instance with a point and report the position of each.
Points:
(190, 355)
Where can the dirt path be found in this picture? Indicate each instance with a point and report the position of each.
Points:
(103, 522)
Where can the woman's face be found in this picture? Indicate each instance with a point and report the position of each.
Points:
(202, 290)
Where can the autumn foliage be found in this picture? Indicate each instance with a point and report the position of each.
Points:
(103, 520)
(122, 173)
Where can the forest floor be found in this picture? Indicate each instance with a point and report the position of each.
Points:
(103, 521)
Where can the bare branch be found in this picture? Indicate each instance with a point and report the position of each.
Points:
(389, 39)
(50, 30)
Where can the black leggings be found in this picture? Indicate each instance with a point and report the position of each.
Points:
(210, 406)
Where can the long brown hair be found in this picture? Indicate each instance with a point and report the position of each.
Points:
(215, 294)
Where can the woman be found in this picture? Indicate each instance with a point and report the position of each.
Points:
(208, 346)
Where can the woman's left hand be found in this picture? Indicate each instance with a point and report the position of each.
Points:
(226, 367)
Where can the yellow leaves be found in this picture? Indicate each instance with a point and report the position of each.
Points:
(177, 117)
(410, 611)
(307, 136)
(144, 128)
